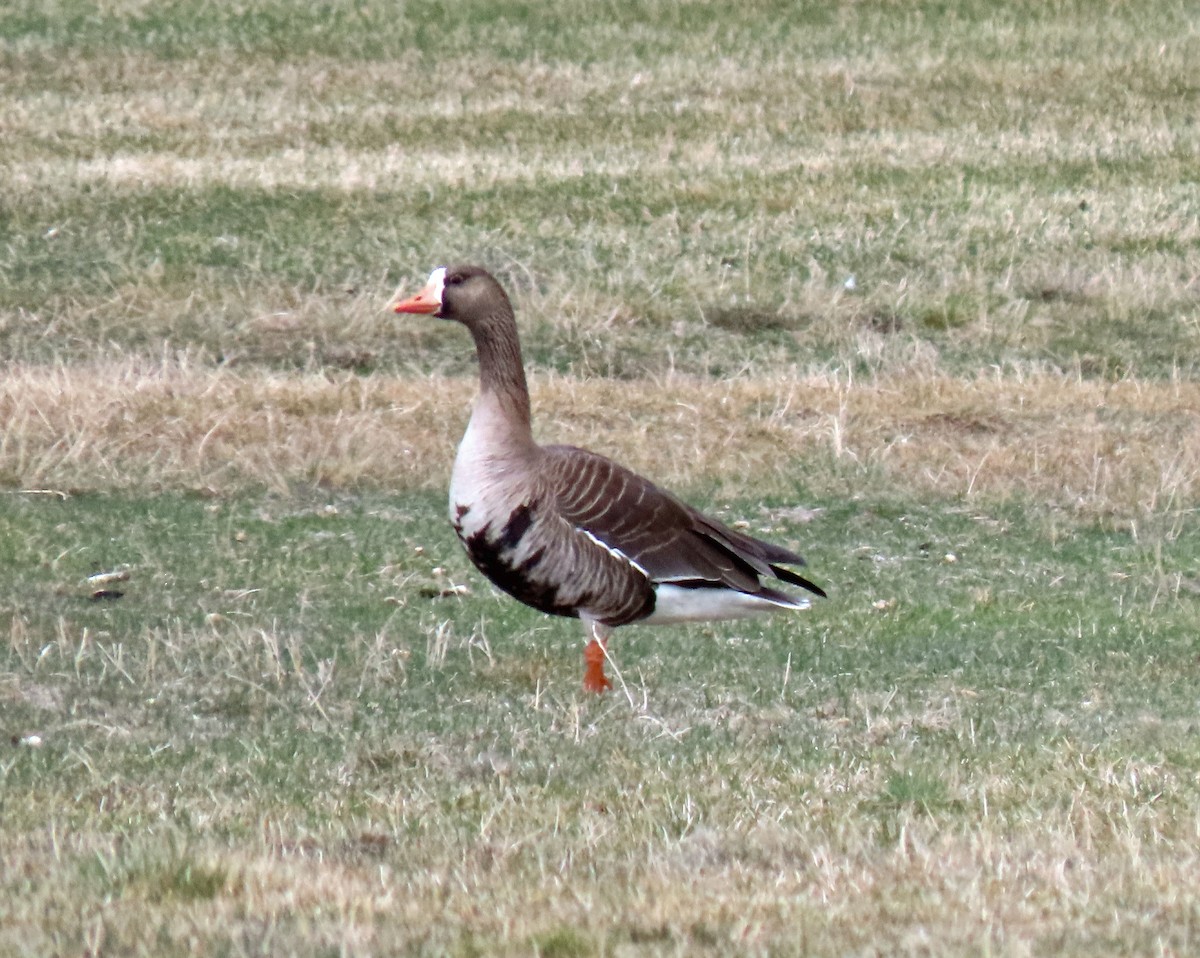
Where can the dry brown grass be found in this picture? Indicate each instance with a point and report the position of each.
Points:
(747, 873)
(1126, 448)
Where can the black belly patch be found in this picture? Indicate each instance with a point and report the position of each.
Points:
(531, 576)
(495, 557)
(516, 527)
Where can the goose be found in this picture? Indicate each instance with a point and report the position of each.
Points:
(573, 533)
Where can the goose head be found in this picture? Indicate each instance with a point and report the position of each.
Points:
(468, 294)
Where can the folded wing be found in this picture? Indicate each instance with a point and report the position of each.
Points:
(670, 541)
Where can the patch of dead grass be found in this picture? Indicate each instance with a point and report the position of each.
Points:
(1124, 448)
(839, 878)
(293, 163)
(136, 123)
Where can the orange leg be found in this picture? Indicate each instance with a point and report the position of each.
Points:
(594, 679)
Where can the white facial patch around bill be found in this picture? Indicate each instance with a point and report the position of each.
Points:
(437, 283)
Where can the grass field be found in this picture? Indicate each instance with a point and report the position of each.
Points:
(911, 286)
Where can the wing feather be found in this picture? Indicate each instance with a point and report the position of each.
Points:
(670, 540)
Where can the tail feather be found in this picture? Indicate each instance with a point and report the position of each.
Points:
(787, 575)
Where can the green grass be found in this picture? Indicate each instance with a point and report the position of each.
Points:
(293, 733)
(282, 690)
(993, 178)
(131, 271)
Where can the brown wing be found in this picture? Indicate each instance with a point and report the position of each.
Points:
(668, 539)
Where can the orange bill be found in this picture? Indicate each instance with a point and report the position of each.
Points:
(428, 300)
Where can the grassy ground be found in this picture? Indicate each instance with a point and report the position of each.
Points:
(910, 286)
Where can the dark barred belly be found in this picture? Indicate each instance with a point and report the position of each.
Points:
(516, 560)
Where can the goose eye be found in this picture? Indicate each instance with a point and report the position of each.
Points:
(454, 279)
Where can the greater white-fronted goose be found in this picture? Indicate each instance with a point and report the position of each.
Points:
(570, 532)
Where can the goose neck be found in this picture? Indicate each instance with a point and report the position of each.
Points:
(502, 381)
